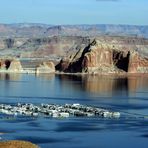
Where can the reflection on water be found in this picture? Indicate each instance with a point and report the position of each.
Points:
(108, 85)
(11, 77)
(73, 86)
(126, 94)
(137, 83)
(96, 84)
(45, 76)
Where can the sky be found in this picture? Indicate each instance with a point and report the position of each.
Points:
(57, 12)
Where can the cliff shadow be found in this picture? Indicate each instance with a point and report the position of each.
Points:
(7, 63)
(121, 60)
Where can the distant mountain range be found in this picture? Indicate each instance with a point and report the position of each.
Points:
(29, 30)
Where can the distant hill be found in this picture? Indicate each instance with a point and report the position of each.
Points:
(29, 30)
(31, 40)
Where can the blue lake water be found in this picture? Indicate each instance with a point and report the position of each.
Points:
(128, 95)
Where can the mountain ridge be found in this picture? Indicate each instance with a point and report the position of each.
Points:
(45, 30)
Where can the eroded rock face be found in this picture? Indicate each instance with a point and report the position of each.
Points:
(73, 63)
(11, 65)
(2, 64)
(137, 64)
(93, 58)
(63, 65)
(15, 66)
(100, 57)
(46, 67)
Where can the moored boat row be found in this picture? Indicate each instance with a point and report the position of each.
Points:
(56, 111)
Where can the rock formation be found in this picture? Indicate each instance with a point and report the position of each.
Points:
(2, 64)
(15, 66)
(11, 65)
(105, 54)
(97, 59)
(46, 67)
(137, 64)
(102, 57)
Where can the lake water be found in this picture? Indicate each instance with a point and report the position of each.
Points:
(128, 95)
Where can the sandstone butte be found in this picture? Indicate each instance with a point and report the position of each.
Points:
(100, 57)
(17, 144)
(15, 66)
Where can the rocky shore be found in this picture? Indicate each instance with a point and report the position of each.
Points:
(14, 65)
(57, 111)
(17, 144)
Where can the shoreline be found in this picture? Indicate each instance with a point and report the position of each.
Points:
(68, 73)
(17, 144)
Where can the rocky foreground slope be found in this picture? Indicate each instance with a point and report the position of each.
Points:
(17, 144)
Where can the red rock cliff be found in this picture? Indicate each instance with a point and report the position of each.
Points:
(104, 57)
(137, 64)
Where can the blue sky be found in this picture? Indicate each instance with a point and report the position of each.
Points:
(75, 11)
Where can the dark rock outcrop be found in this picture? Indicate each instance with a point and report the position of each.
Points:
(9, 42)
(121, 59)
